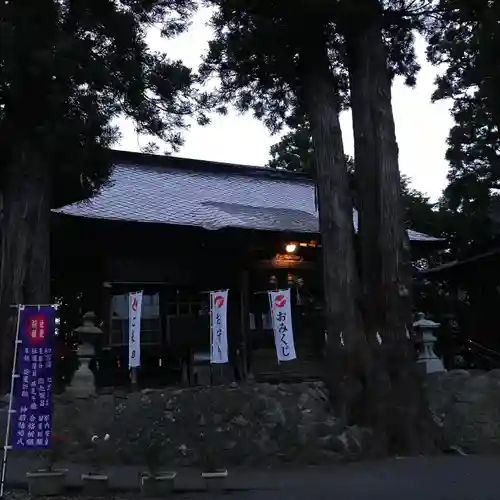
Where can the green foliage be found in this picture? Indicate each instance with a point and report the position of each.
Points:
(465, 37)
(294, 152)
(69, 67)
(420, 214)
(255, 54)
(242, 54)
(255, 51)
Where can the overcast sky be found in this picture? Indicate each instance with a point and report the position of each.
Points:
(421, 127)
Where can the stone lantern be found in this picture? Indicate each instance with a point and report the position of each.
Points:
(83, 381)
(427, 359)
(89, 333)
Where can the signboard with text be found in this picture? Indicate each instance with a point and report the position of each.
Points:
(134, 329)
(281, 314)
(32, 396)
(218, 323)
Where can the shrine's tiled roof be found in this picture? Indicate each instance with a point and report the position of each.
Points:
(205, 194)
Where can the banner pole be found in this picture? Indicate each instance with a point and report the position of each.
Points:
(6, 446)
(271, 307)
(221, 368)
(133, 379)
(211, 335)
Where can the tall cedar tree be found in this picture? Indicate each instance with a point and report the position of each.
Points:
(466, 39)
(400, 410)
(263, 65)
(67, 68)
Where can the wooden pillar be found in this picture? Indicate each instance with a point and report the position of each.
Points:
(106, 309)
(244, 319)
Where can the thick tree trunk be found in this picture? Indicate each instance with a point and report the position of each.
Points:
(347, 352)
(25, 237)
(402, 416)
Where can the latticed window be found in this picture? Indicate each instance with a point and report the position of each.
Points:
(150, 320)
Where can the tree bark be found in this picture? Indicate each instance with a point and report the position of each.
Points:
(401, 415)
(346, 349)
(25, 239)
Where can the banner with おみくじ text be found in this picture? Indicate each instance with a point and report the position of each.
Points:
(281, 315)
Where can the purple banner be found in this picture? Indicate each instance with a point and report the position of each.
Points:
(32, 398)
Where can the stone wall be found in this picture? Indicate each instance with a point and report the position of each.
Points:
(467, 405)
(257, 424)
(260, 424)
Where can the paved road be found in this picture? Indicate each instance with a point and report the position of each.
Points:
(425, 478)
(438, 478)
(444, 478)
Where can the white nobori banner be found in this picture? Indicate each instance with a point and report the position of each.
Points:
(281, 313)
(134, 329)
(218, 325)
